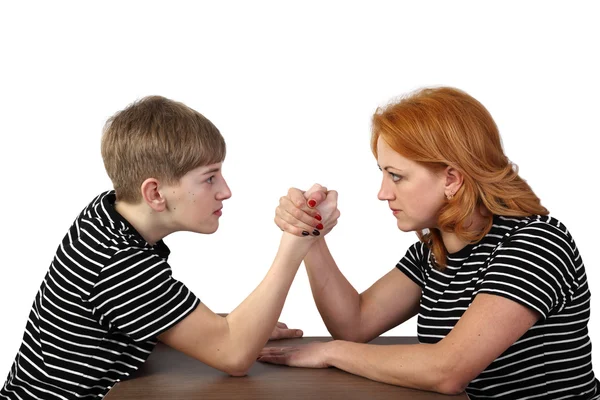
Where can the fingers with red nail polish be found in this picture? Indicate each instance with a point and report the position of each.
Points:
(293, 215)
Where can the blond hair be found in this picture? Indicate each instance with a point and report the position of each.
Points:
(439, 127)
(156, 137)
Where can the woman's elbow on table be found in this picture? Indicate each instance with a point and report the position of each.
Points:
(452, 379)
(451, 385)
(348, 335)
(450, 374)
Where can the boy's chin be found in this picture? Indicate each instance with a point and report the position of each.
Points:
(208, 229)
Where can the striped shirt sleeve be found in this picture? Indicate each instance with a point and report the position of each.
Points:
(412, 264)
(535, 268)
(136, 294)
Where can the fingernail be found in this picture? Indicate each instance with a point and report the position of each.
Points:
(318, 217)
(316, 232)
(312, 203)
(320, 226)
(298, 333)
(304, 233)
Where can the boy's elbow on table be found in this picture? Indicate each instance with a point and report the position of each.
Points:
(237, 370)
(237, 361)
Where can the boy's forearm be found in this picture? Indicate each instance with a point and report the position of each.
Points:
(336, 299)
(251, 323)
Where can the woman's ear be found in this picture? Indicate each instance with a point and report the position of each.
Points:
(453, 181)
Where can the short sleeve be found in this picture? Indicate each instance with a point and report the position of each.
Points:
(535, 268)
(412, 264)
(136, 294)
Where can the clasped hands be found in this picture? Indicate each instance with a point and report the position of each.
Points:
(313, 213)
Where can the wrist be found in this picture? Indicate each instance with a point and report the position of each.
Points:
(299, 240)
(332, 352)
(295, 244)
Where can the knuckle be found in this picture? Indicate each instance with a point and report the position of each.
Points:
(296, 213)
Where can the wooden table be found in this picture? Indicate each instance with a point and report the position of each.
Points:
(169, 374)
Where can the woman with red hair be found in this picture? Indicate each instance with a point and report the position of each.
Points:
(498, 285)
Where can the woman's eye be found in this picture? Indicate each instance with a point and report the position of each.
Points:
(395, 177)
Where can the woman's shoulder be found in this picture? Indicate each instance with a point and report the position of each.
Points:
(419, 250)
(417, 255)
(538, 226)
(541, 235)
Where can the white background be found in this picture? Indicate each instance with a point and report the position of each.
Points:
(292, 88)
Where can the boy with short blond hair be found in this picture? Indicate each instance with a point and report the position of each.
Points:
(109, 294)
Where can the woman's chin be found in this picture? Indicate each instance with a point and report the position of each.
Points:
(405, 227)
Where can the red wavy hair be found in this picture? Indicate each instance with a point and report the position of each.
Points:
(439, 127)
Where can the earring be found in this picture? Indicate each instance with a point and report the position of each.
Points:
(450, 196)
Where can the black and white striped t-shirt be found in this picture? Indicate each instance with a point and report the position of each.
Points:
(533, 261)
(106, 297)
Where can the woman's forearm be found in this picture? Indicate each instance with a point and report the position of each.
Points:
(418, 366)
(337, 301)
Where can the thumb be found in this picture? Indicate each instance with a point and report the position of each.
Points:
(315, 195)
(330, 202)
(332, 196)
(315, 199)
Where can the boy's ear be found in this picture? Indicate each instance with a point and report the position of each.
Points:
(152, 196)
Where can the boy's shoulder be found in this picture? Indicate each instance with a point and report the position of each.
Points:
(99, 235)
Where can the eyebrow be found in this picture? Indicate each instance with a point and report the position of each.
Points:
(210, 171)
(386, 168)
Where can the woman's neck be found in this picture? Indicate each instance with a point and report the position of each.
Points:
(476, 222)
(452, 242)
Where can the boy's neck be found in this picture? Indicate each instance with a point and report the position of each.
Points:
(147, 222)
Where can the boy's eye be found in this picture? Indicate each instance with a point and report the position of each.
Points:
(210, 180)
